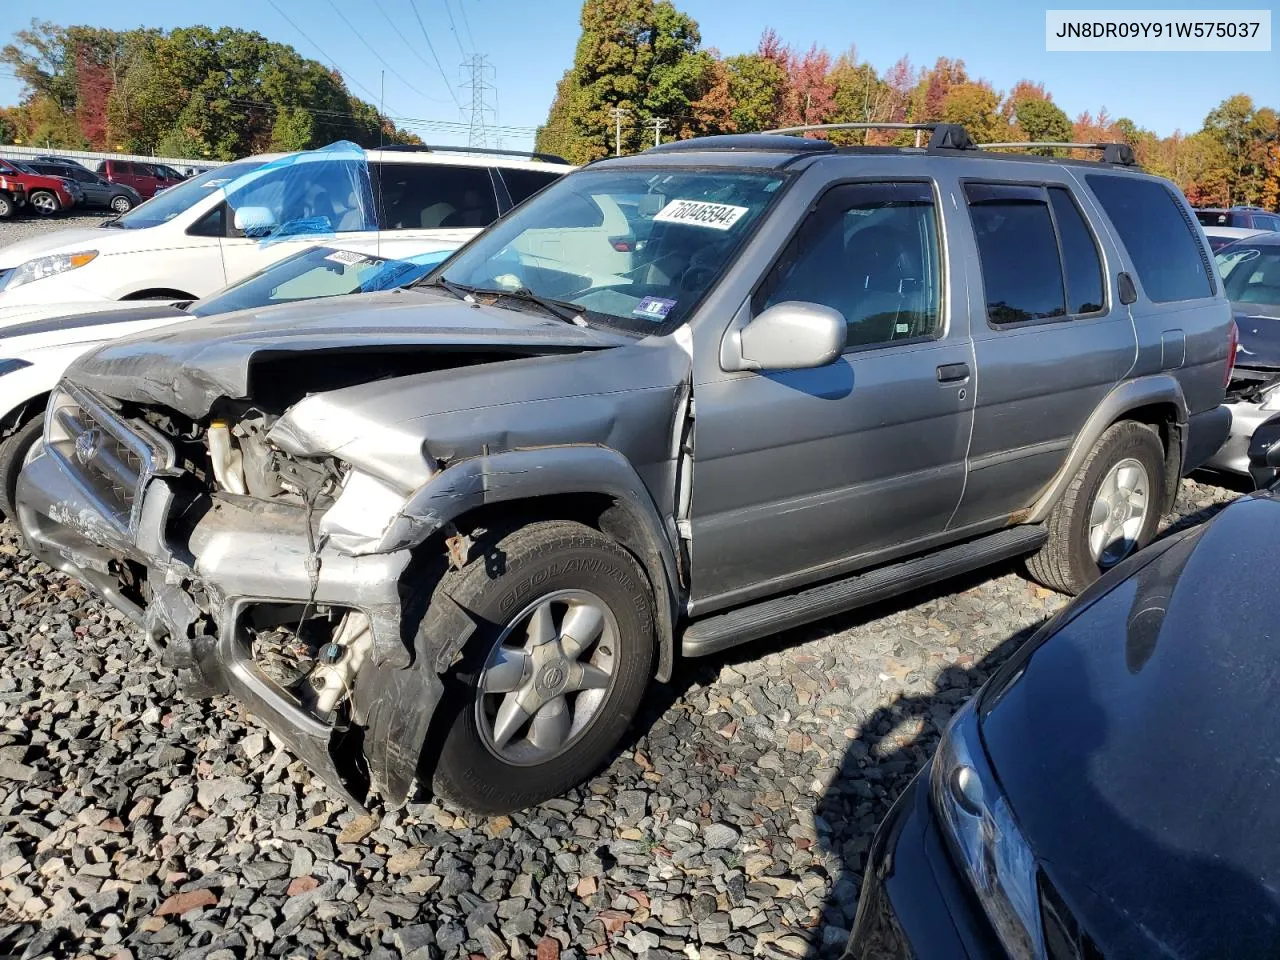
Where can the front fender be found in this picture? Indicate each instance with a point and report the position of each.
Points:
(550, 471)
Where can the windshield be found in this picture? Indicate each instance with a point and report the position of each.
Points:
(163, 207)
(635, 248)
(1251, 274)
(319, 272)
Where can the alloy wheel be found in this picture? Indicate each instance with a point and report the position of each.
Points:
(1119, 512)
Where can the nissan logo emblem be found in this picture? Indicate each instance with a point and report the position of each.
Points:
(88, 443)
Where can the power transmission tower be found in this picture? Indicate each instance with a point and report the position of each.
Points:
(478, 77)
(658, 124)
(617, 113)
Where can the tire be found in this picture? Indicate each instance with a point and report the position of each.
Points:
(121, 204)
(513, 573)
(44, 203)
(1069, 561)
(7, 207)
(13, 451)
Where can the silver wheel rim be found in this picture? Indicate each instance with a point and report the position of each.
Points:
(547, 677)
(120, 205)
(44, 203)
(1119, 512)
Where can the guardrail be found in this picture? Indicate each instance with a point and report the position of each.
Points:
(90, 158)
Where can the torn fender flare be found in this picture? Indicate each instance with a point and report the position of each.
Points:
(548, 471)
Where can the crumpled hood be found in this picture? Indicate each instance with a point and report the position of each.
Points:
(190, 366)
(1259, 326)
(1137, 747)
(60, 241)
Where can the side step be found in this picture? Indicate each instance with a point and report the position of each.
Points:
(744, 624)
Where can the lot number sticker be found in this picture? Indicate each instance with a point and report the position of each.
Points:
(699, 213)
(348, 257)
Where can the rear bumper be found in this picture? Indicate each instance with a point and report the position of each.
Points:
(201, 587)
(913, 902)
(1233, 455)
(1206, 433)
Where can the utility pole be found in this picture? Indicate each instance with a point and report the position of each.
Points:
(477, 75)
(617, 113)
(658, 124)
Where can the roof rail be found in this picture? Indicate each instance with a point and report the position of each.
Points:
(1120, 153)
(947, 136)
(488, 151)
(746, 141)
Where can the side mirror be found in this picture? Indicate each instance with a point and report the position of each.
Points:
(793, 335)
(254, 221)
(1264, 452)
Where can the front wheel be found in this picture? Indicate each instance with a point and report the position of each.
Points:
(555, 671)
(121, 204)
(7, 207)
(1110, 509)
(44, 203)
(13, 453)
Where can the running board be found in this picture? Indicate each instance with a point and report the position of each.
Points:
(744, 624)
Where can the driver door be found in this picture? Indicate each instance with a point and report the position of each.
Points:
(801, 475)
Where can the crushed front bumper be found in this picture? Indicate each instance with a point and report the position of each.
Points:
(1233, 455)
(201, 583)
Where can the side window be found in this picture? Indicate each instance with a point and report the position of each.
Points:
(212, 224)
(414, 196)
(1079, 254)
(1166, 251)
(870, 251)
(523, 184)
(1018, 250)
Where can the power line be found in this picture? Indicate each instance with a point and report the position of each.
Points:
(332, 61)
(431, 47)
(414, 50)
(394, 72)
(454, 28)
(462, 7)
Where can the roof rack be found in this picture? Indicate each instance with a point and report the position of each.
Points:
(1120, 153)
(764, 142)
(945, 136)
(488, 151)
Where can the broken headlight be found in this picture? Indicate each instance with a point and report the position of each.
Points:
(984, 838)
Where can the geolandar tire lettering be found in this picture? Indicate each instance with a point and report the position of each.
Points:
(555, 670)
(1110, 509)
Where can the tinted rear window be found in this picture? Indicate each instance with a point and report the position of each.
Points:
(1171, 263)
(1079, 254)
(1212, 218)
(415, 196)
(522, 184)
(1021, 271)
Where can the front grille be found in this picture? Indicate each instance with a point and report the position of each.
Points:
(111, 461)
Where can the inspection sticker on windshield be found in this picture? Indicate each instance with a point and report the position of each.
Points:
(347, 257)
(653, 308)
(700, 213)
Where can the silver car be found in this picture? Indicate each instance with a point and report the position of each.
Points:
(675, 402)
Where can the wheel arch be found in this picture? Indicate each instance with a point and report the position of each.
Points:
(1157, 401)
(159, 293)
(592, 484)
(13, 419)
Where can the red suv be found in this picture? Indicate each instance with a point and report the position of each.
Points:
(45, 195)
(147, 178)
(12, 196)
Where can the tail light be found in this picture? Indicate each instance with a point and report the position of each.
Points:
(1233, 344)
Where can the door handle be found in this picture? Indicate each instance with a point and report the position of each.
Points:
(952, 372)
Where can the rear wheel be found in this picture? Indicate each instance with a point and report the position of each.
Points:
(554, 672)
(7, 208)
(121, 204)
(1110, 509)
(13, 451)
(44, 203)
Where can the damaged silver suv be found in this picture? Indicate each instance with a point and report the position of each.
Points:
(448, 535)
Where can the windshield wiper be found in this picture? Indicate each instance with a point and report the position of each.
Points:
(459, 290)
(562, 309)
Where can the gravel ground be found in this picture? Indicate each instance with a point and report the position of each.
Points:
(734, 823)
(27, 225)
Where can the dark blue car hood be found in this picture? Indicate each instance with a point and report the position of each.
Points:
(1139, 748)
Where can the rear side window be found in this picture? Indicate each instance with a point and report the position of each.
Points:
(414, 196)
(1079, 254)
(1212, 218)
(522, 184)
(1157, 232)
(1022, 271)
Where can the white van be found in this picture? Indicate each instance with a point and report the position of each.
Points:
(231, 221)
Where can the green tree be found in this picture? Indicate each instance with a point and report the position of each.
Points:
(1042, 120)
(975, 105)
(757, 86)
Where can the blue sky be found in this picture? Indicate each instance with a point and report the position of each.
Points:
(531, 43)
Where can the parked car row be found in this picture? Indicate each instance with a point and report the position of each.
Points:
(444, 534)
(43, 194)
(51, 185)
